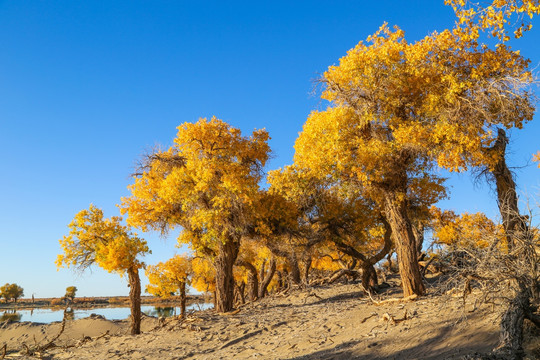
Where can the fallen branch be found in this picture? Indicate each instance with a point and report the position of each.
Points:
(425, 266)
(4, 352)
(368, 317)
(393, 300)
(311, 294)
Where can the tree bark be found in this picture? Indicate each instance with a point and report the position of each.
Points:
(418, 231)
(182, 287)
(224, 275)
(279, 280)
(295, 269)
(307, 267)
(265, 281)
(369, 277)
(397, 217)
(506, 192)
(135, 300)
(240, 298)
(511, 337)
(252, 280)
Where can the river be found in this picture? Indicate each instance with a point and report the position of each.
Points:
(40, 315)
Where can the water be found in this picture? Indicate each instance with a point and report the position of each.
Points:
(117, 313)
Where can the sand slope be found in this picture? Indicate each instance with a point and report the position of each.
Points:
(332, 322)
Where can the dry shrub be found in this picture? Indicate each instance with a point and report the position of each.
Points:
(505, 275)
(118, 301)
(56, 302)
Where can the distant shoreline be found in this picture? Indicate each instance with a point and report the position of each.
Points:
(99, 301)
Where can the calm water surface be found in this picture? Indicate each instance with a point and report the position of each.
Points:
(116, 313)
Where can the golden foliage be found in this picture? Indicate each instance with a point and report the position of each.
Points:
(403, 107)
(105, 242)
(207, 182)
(463, 231)
(204, 275)
(167, 278)
(495, 17)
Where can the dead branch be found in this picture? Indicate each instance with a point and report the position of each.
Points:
(4, 352)
(368, 317)
(311, 294)
(393, 300)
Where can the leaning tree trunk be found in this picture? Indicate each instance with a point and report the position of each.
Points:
(397, 217)
(265, 281)
(135, 300)
(507, 199)
(224, 275)
(182, 287)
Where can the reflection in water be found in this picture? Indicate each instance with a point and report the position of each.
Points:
(69, 314)
(11, 315)
(161, 311)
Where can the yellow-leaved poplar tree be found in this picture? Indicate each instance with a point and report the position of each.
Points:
(398, 109)
(93, 239)
(207, 183)
(463, 231)
(333, 211)
(169, 278)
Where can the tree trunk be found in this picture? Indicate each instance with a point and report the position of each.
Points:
(240, 298)
(135, 300)
(506, 192)
(265, 281)
(224, 275)
(295, 269)
(418, 231)
(307, 267)
(369, 277)
(182, 287)
(252, 281)
(397, 217)
(279, 280)
(511, 337)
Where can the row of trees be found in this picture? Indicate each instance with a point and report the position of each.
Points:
(364, 178)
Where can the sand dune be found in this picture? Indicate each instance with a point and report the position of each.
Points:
(332, 322)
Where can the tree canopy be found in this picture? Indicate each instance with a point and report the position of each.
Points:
(207, 183)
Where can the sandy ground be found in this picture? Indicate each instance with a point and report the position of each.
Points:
(329, 322)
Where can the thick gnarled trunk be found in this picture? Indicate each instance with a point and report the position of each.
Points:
(135, 300)
(513, 222)
(224, 275)
(397, 217)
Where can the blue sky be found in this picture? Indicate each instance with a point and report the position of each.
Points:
(87, 86)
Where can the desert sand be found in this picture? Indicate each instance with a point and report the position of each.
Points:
(325, 322)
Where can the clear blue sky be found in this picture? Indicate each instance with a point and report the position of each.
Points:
(87, 86)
